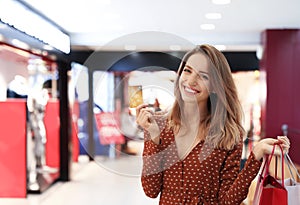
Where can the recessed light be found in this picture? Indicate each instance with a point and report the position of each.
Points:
(207, 26)
(213, 16)
(220, 47)
(221, 2)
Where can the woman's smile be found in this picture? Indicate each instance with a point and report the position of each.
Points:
(190, 91)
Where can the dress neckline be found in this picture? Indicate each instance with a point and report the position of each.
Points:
(187, 154)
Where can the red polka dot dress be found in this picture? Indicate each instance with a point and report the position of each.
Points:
(204, 176)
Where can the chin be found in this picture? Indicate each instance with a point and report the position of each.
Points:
(189, 99)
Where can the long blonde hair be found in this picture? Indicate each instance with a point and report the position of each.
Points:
(224, 121)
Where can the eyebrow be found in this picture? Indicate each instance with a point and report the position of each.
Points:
(200, 72)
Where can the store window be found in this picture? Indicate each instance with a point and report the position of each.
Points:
(32, 80)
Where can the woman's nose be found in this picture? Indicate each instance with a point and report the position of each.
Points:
(192, 80)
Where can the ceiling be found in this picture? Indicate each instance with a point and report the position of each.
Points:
(157, 24)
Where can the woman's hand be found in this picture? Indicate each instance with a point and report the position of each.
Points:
(145, 119)
(265, 146)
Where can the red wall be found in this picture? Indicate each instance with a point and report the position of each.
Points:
(281, 65)
(52, 125)
(13, 148)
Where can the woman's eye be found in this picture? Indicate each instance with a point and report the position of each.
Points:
(205, 77)
(187, 70)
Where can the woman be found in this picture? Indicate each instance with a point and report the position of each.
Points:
(192, 154)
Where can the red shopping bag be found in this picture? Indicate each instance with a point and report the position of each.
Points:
(270, 191)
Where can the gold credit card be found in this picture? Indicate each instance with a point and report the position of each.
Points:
(135, 94)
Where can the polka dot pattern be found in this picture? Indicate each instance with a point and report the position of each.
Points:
(213, 177)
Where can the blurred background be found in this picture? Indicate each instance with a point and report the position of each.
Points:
(68, 132)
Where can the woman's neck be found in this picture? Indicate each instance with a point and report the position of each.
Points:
(194, 113)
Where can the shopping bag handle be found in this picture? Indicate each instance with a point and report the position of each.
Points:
(289, 163)
(269, 158)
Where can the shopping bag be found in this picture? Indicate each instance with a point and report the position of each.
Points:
(268, 190)
(291, 185)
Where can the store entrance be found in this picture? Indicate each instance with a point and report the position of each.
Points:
(28, 87)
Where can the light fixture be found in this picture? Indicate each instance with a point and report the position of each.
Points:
(207, 26)
(220, 47)
(259, 52)
(221, 2)
(213, 16)
(42, 30)
(20, 44)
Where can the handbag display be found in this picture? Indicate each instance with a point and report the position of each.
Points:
(291, 184)
(270, 191)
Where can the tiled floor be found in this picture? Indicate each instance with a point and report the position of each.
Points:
(101, 182)
(104, 181)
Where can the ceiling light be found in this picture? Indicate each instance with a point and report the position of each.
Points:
(259, 52)
(221, 2)
(220, 47)
(213, 16)
(19, 43)
(207, 26)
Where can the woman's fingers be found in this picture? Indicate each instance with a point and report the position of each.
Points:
(138, 108)
(144, 117)
(285, 143)
(269, 141)
(284, 140)
(265, 146)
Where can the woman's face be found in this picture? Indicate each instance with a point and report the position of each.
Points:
(194, 80)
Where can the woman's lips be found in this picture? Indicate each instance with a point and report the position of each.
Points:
(191, 90)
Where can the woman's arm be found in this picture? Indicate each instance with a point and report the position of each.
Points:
(152, 175)
(152, 168)
(234, 184)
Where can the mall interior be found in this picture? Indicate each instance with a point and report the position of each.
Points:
(68, 129)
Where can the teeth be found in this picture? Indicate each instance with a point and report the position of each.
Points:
(189, 90)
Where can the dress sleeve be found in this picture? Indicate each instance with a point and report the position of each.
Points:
(152, 172)
(234, 183)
